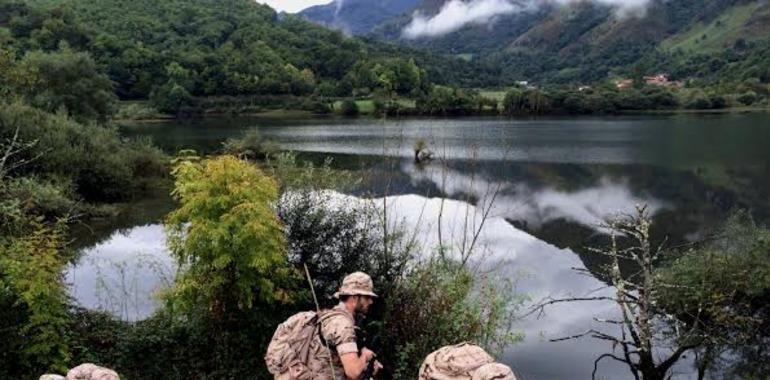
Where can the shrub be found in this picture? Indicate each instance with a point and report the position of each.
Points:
(42, 198)
(227, 237)
(748, 98)
(136, 111)
(699, 102)
(251, 145)
(65, 79)
(99, 164)
(349, 107)
(440, 302)
(32, 289)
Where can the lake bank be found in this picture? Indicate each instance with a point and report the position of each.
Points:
(558, 177)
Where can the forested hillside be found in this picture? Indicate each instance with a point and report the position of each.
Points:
(711, 41)
(173, 51)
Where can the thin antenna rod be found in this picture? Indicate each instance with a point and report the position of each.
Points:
(318, 311)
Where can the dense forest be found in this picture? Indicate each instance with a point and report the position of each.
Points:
(172, 52)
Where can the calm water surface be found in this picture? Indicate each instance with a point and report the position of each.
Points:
(554, 179)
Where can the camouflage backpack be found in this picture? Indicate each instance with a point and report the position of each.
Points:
(289, 349)
(454, 362)
(495, 371)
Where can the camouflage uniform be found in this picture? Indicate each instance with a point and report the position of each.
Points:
(339, 330)
(463, 361)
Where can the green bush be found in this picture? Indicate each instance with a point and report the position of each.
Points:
(136, 111)
(42, 198)
(251, 145)
(67, 80)
(34, 317)
(349, 107)
(748, 98)
(441, 302)
(171, 98)
(99, 164)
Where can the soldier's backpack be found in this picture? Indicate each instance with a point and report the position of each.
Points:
(454, 362)
(289, 349)
(495, 371)
(290, 346)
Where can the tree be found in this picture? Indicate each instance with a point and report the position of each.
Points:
(723, 285)
(644, 326)
(349, 107)
(227, 237)
(31, 271)
(67, 80)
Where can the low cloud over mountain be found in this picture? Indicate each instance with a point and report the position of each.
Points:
(456, 14)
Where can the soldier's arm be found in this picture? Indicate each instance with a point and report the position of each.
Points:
(340, 331)
(355, 365)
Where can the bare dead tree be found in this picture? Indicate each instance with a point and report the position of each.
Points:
(650, 341)
(12, 150)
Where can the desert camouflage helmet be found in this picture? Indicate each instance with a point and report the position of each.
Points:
(356, 284)
(494, 371)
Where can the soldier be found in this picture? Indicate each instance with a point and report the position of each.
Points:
(463, 361)
(337, 328)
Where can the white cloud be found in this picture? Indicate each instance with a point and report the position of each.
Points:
(455, 14)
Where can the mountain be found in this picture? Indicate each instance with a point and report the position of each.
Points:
(585, 40)
(358, 17)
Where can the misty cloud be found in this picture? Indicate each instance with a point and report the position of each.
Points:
(456, 14)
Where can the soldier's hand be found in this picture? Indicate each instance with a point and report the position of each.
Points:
(377, 366)
(367, 354)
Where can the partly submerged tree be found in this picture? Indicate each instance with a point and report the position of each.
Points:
(650, 340)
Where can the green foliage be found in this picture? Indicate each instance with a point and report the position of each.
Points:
(31, 286)
(294, 175)
(250, 145)
(724, 287)
(136, 111)
(440, 303)
(449, 101)
(226, 237)
(519, 101)
(99, 164)
(64, 79)
(42, 198)
(348, 107)
(748, 98)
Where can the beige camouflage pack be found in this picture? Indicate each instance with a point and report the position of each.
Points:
(494, 371)
(463, 361)
(454, 362)
(355, 284)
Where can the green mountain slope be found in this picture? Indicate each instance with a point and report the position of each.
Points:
(748, 22)
(203, 48)
(587, 41)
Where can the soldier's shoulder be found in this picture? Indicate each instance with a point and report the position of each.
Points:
(337, 319)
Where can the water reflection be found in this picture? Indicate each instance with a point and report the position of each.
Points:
(123, 274)
(519, 200)
(555, 179)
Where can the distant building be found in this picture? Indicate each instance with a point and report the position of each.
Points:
(662, 80)
(525, 84)
(623, 84)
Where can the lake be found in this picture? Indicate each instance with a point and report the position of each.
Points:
(545, 183)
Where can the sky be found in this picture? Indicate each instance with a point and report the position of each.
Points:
(292, 6)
